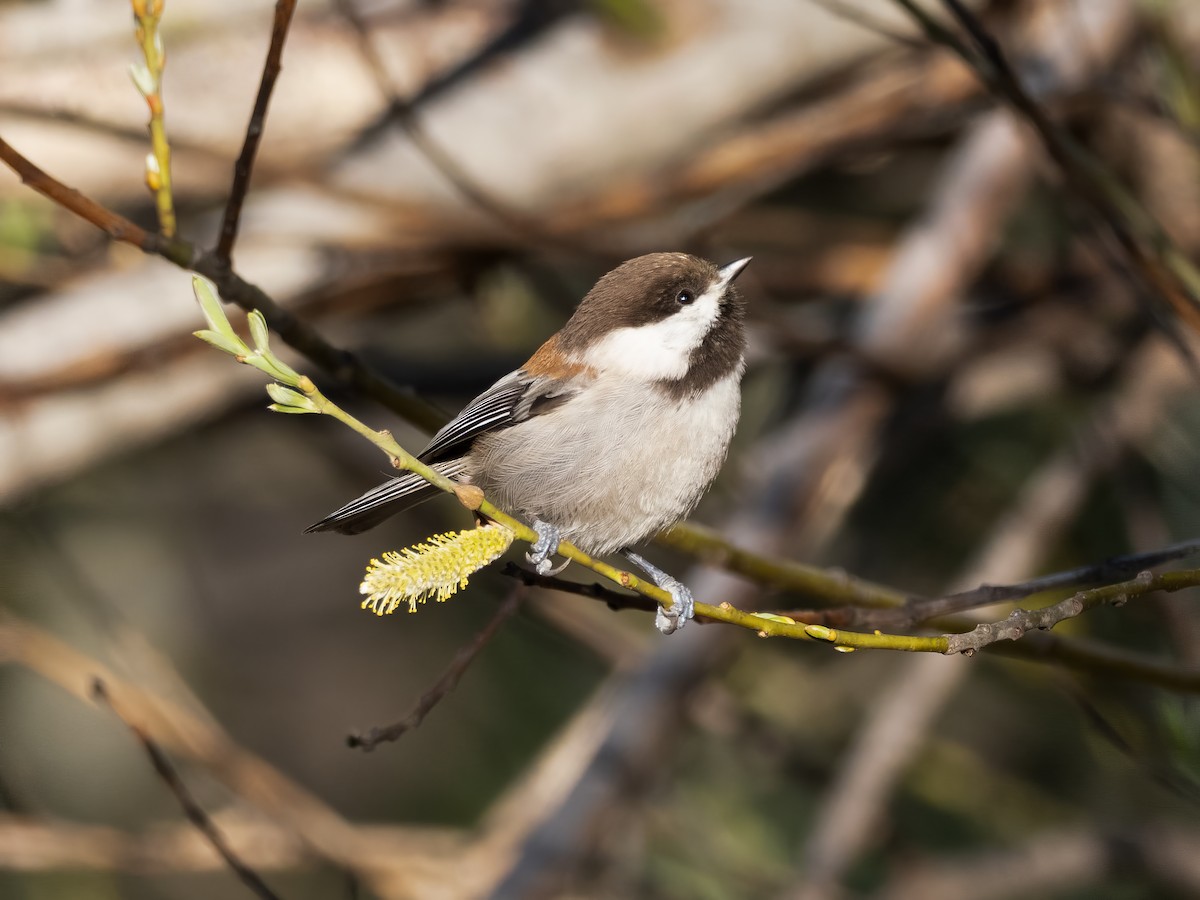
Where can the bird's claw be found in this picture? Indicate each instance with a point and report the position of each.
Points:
(683, 606)
(544, 547)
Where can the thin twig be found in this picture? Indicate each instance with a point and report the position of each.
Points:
(148, 80)
(245, 161)
(1041, 647)
(1022, 621)
(613, 599)
(444, 685)
(191, 809)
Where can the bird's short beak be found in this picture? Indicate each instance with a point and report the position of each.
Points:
(730, 271)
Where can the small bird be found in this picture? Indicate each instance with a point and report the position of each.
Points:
(612, 431)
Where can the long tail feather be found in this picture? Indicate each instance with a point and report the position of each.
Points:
(393, 496)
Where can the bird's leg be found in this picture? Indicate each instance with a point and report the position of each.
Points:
(683, 607)
(545, 547)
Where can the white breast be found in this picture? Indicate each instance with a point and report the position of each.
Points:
(660, 351)
(614, 465)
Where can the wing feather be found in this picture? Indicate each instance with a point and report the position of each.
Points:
(494, 408)
(510, 400)
(395, 494)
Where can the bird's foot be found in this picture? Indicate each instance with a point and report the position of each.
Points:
(683, 606)
(545, 547)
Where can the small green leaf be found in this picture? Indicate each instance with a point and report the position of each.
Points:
(288, 375)
(288, 397)
(295, 410)
(221, 342)
(258, 330)
(270, 364)
(820, 632)
(214, 312)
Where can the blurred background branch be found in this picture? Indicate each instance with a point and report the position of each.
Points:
(948, 388)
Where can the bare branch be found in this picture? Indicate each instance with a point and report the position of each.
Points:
(191, 809)
(242, 169)
(113, 224)
(444, 685)
(613, 599)
(1022, 621)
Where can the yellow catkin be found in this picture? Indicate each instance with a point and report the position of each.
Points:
(437, 568)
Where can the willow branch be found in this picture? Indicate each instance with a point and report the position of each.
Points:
(284, 9)
(1020, 622)
(310, 399)
(148, 80)
(1038, 647)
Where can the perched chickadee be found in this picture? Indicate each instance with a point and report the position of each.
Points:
(614, 428)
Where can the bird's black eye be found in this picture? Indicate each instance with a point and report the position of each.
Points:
(684, 297)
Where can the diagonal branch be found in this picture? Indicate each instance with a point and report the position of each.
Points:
(191, 809)
(1022, 621)
(613, 599)
(111, 223)
(444, 685)
(297, 333)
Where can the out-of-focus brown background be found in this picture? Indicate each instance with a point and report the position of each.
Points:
(956, 377)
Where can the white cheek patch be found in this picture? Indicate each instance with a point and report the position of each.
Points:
(662, 349)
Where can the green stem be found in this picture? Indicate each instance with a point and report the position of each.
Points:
(158, 177)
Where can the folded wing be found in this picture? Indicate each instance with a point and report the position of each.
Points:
(511, 400)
